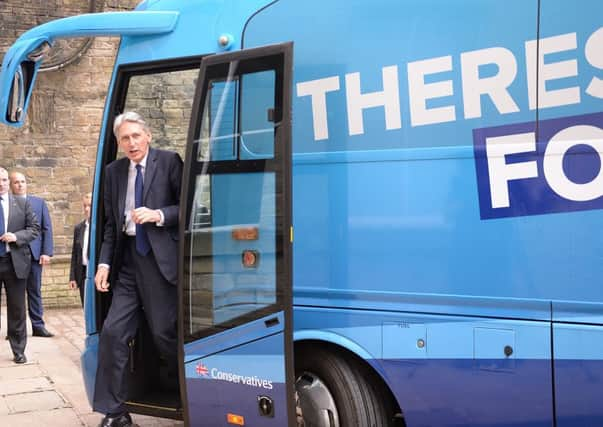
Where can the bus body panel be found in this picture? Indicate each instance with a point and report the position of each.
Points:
(449, 370)
(394, 214)
(89, 361)
(428, 213)
(228, 375)
(578, 374)
(199, 27)
(578, 356)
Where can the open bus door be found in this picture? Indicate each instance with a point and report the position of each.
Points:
(236, 353)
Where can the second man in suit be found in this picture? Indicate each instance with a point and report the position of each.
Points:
(79, 249)
(18, 227)
(138, 259)
(41, 252)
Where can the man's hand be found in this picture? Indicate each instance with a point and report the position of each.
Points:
(8, 238)
(44, 260)
(142, 215)
(73, 284)
(100, 280)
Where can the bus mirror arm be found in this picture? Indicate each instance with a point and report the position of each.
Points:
(22, 61)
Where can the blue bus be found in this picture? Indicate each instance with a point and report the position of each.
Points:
(390, 210)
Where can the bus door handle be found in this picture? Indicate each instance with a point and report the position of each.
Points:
(271, 322)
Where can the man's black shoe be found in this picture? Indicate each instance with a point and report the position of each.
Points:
(42, 332)
(123, 420)
(20, 358)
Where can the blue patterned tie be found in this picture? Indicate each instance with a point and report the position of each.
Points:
(2, 229)
(143, 247)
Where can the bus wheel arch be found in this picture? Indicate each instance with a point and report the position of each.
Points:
(362, 398)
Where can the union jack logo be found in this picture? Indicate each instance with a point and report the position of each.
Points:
(201, 369)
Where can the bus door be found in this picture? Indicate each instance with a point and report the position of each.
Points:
(236, 364)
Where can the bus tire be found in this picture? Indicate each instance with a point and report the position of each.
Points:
(337, 391)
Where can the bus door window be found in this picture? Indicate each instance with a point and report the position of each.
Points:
(230, 264)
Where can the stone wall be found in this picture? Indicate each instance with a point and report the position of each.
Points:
(165, 100)
(56, 148)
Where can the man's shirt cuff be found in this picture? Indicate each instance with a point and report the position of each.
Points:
(162, 220)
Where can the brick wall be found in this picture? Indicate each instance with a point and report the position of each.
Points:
(56, 148)
(55, 280)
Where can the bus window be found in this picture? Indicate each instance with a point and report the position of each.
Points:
(252, 113)
(165, 101)
(257, 115)
(221, 121)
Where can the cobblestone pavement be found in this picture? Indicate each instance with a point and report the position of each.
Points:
(48, 391)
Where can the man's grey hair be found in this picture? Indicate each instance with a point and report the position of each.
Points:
(129, 116)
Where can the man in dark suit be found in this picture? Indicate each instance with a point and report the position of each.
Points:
(79, 250)
(41, 252)
(18, 227)
(138, 259)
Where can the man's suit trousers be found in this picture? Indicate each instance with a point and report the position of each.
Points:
(15, 305)
(34, 295)
(139, 284)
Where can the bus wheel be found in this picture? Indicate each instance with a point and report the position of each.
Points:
(337, 392)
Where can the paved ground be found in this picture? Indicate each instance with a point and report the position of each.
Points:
(48, 391)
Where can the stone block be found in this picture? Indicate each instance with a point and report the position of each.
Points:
(17, 372)
(65, 417)
(40, 401)
(21, 385)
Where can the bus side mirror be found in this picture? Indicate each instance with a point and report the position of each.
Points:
(20, 85)
(16, 97)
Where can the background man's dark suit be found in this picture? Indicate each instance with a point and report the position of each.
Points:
(15, 267)
(78, 270)
(41, 245)
(137, 280)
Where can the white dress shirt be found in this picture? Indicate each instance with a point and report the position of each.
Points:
(5, 205)
(85, 245)
(130, 226)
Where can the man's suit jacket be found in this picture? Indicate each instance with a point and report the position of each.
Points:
(162, 179)
(22, 222)
(76, 272)
(41, 245)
